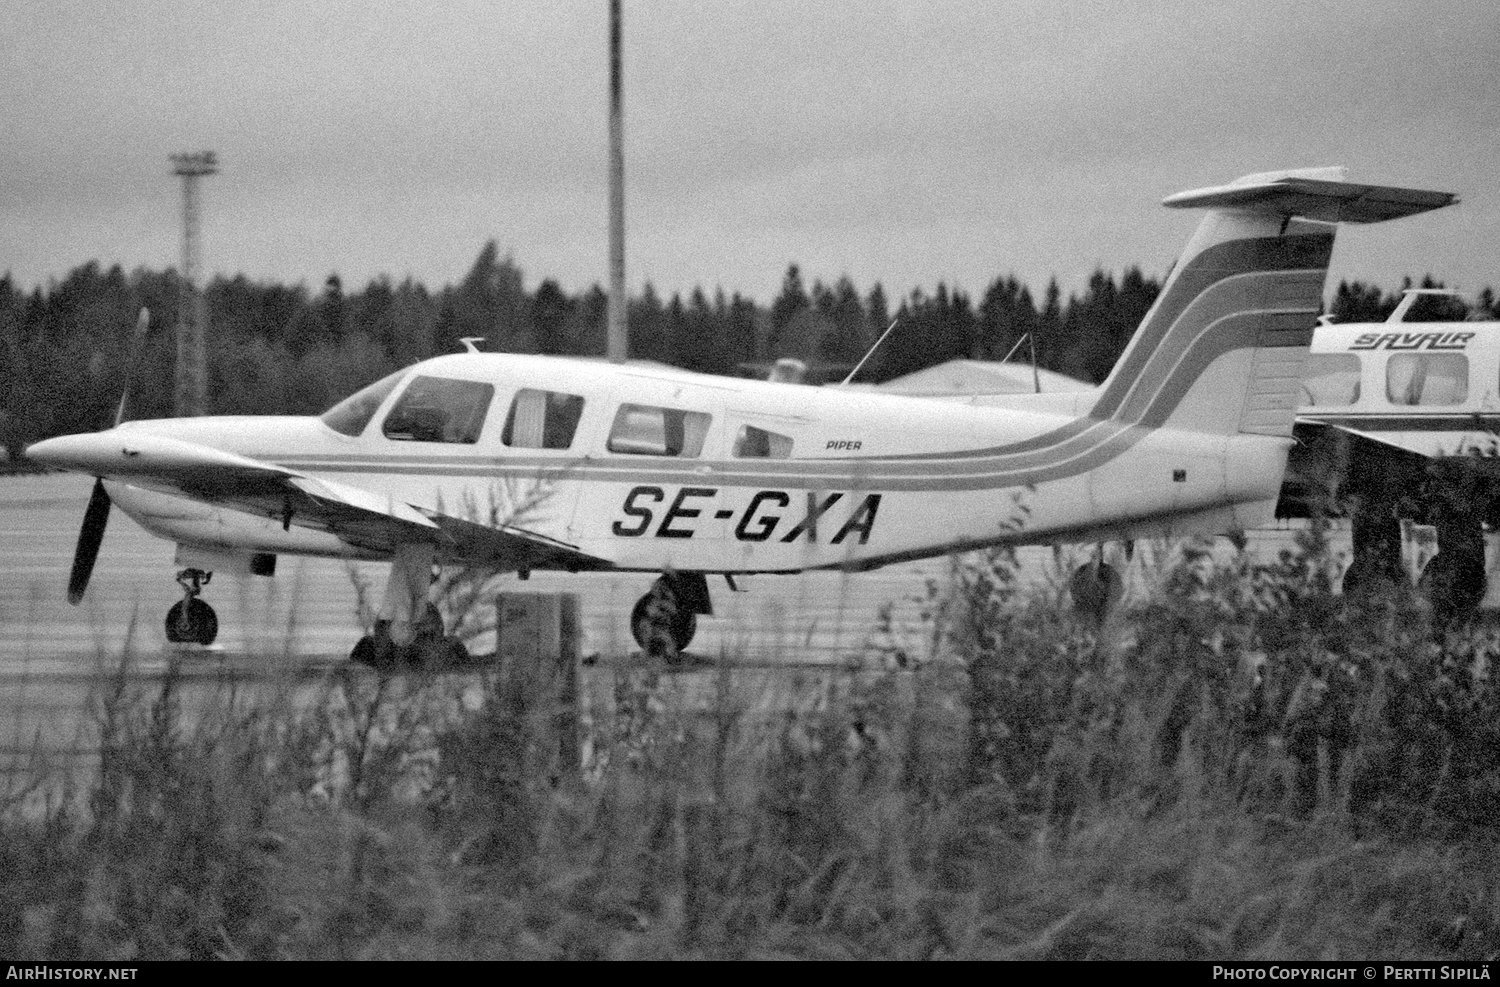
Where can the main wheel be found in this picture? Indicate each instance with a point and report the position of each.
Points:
(429, 625)
(1375, 544)
(423, 653)
(1454, 583)
(365, 653)
(659, 625)
(1366, 576)
(432, 654)
(195, 624)
(378, 651)
(1095, 589)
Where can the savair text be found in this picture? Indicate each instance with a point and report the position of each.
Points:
(1437, 341)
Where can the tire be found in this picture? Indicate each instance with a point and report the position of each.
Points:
(455, 654)
(659, 608)
(430, 625)
(1366, 577)
(200, 627)
(1454, 584)
(1095, 590)
(365, 653)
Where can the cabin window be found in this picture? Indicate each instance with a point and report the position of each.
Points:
(542, 420)
(643, 430)
(351, 415)
(1330, 380)
(757, 443)
(1427, 378)
(440, 409)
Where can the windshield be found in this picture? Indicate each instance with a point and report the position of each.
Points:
(439, 409)
(351, 415)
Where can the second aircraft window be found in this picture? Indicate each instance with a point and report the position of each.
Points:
(542, 420)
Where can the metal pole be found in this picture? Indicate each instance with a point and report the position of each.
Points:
(192, 306)
(619, 331)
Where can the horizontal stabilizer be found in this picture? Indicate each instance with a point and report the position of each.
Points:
(1311, 198)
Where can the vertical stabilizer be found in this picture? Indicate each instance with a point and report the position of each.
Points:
(1222, 349)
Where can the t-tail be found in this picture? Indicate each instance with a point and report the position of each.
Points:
(1222, 350)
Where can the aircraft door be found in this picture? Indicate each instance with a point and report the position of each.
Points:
(658, 493)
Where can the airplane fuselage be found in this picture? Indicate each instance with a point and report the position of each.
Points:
(835, 479)
(1428, 387)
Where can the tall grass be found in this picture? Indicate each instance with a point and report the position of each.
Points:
(1240, 763)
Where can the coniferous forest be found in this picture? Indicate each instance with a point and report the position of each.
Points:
(287, 349)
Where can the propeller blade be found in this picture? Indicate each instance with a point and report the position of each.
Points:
(92, 533)
(142, 322)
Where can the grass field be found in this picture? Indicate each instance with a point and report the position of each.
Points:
(1239, 764)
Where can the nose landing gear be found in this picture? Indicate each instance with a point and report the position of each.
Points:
(191, 621)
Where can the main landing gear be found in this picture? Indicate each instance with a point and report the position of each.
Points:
(664, 620)
(408, 631)
(428, 648)
(1455, 498)
(191, 621)
(1096, 586)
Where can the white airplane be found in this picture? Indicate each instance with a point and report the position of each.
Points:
(1431, 388)
(1403, 419)
(529, 462)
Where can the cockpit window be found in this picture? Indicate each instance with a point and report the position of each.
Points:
(439, 409)
(351, 415)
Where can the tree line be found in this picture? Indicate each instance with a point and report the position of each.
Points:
(278, 349)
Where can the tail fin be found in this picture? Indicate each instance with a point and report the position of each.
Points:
(1222, 349)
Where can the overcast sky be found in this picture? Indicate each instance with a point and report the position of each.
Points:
(904, 141)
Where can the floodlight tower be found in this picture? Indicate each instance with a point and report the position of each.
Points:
(619, 332)
(192, 307)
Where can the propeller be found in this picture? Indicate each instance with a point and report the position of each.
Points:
(96, 515)
(142, 323)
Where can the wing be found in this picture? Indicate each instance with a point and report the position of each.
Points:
(1425, 434)
(362, 518)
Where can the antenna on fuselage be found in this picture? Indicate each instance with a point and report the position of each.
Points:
(471, 343)
(1036, 378)
(870, 352)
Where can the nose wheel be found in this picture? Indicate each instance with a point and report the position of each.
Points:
(191, 621)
